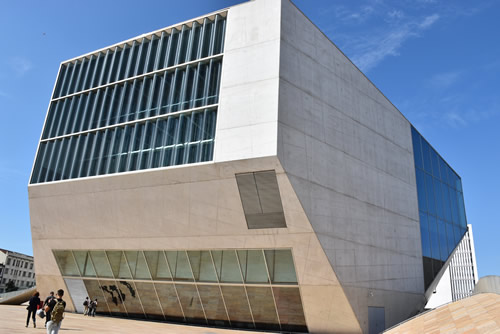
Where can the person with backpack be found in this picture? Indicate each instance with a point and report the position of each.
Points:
(93, 307)
(86, 306)
(56, 310)
(32, 307)
(47, 300)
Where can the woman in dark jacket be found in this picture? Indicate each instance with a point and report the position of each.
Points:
(32, 307)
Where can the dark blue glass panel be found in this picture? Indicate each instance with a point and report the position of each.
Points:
(446, 202)
(426, 155)
(431, 202)
(439, 198)
(424, 232)
(461, 210)
(442, 240)
(435, 163)
(454, 206)
(434, 236)
(417, 148)
(450, 238)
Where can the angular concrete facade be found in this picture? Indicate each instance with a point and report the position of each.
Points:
(289, 102)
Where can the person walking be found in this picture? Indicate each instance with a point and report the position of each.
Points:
(94, 307)
(56, 309)
(33, 304)
(86, 306)
(47, 300)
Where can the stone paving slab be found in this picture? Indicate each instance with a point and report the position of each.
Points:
(13, 320)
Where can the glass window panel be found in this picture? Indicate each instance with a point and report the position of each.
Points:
(431, 202)
(424, 232)
(118, 264)
(253, 266)
(158, 265)
(130, 299)
(436, 266)
(230, 270)
(442, 240)
(435, 163)
(280, 264)
(174, 39)
(113, 298)
(191, 305)
(450, 238)
(94, 292)
(202, 266)
(446, 202)
(213, 92)
(439, 198)
(86, 154)
(196, 41)
(263, 308)
(428, 272)
(434, 237)
(137, 264)
(183, 45)
(66, 263)
(84, 263)
(443, 170)
(454, 206)
(149, 300)
(290, 309)
(179, 265)
(38, 163)
(213, 305)
(426, 154)
(459, 233)
(237, 306)
(206, 38)
(101, 264)
(60, 80)
(219, 35)
(169, 302)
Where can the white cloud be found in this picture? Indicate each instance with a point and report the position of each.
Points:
(446, 79)
(429, 21)
(368, 53)
(20, 65)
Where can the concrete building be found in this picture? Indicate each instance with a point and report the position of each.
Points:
(238, 170)
(460, 275)
(16, 267)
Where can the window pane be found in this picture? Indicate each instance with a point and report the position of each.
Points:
(112, 296)
(213, 305)
(179, 265)
(118, 264)
(253, 266)
(137, 265)
(94, 292)
(230, 270)
(191, 304)
(290, 309)
(263, 309)
(66, 263)
(443, 240)
(424, 232)
(431, 202)
(157, 265)
(433, 231)
(101, 264)
(169, 302)
(149, 300)
(84, 263)
(203, 268)
(426, 154)
(237, 306)
(281, 268)
(130, 298)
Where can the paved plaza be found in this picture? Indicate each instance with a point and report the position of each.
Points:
(13, 320)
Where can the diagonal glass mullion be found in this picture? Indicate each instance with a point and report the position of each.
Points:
(220, 289)
(149, 101)
(172, 90)
(169, 48)
(63, 82)
(244, 286)
(190, 44)
(202, 38)
(120, 62)
(196, 286)
(111, 269)
(173, 284)
(148, 55)
(87, 72)
(202, 136)
(77, 81)
(212, 36)
(223, 34)
(194, 89)
(207, 83)
(103, 68)
(158, 51)
(179, 45)
(272, 290)
(139, 55)
(73, 68)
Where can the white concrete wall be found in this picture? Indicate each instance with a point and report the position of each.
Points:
(248, 104)
(347, 152)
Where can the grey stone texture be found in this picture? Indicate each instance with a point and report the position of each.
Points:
(347, 152)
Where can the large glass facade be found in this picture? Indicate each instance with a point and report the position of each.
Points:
(441, 206)
(244, 288)
(147, 103)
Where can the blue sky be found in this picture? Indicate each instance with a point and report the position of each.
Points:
(438, 61)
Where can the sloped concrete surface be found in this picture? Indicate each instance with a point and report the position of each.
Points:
(16, 297)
